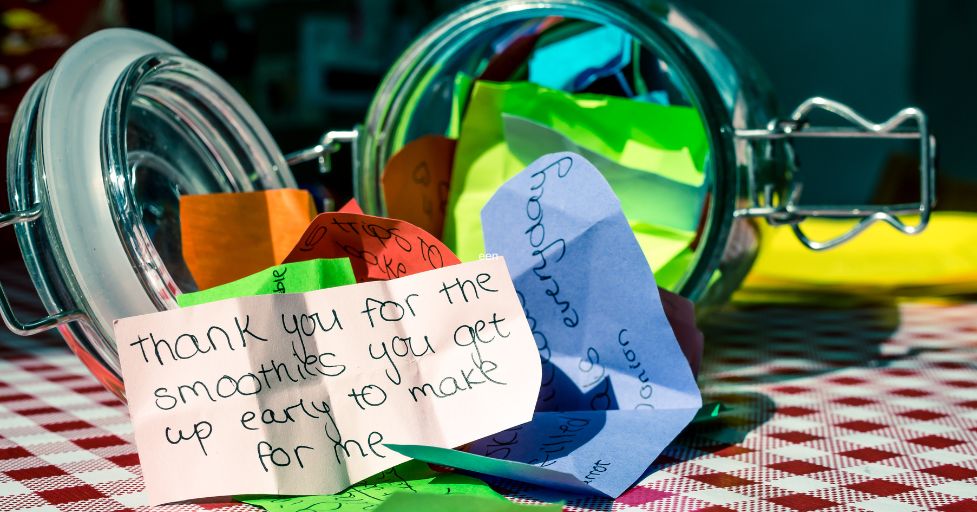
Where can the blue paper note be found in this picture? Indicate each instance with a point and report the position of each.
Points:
(576, 62)
(616, 388)
(587, 289)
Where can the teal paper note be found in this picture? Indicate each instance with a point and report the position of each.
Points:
(574, 63)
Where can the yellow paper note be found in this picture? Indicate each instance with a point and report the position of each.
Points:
(229, 236)
(299, 394)
(944, 255)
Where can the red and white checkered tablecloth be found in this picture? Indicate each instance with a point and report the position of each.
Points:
(871, 408)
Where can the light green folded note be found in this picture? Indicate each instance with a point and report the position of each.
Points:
(412, 478)
(646, 197)
(668, 141)
(454, 503)
(463, 86)
(299, 277)
(667, 251)
(663, 213)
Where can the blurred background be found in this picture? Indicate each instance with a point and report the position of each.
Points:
(308, 66)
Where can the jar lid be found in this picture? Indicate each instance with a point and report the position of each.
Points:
(124, 126)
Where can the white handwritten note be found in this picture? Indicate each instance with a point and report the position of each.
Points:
(300, 393)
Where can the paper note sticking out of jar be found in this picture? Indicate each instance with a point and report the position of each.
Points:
(230, 236)
(416, 182)
(298, 277)
(378, 248)
(298, 355)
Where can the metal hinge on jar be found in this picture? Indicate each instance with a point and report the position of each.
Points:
(328, 144)
(10, 319)
(777, 210)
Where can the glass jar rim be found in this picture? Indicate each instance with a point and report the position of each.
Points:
(76, 170)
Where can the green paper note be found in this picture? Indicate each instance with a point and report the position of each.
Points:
(299, 277)
(412, 478)
(463, 86)
(403, 502)
(645, 196)
(667, 140)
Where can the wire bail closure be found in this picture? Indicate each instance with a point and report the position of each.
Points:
(328, 144)
(787, 210)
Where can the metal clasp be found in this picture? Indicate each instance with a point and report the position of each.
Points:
(6, 311)
(787, 210)
(328, 144)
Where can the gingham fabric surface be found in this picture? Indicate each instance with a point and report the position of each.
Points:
(873, 408)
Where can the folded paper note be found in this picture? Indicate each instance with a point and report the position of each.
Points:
(298, 277)
(583, 281)
(616, 387)
(667, 140)
(412, 477)
(415, 182)
(257, 228)
(378, 248)
(298, 393)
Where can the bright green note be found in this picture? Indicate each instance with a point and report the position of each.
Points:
(452, 503)
(412, 478)
(302, 276)
(463, 86)
(667, 140)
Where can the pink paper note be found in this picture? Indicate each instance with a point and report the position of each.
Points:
(300, 393)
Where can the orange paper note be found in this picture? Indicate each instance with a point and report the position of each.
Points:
(416, 182)
(378, 248)
(230, 236)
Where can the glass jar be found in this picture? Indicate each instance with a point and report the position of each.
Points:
(104, 144)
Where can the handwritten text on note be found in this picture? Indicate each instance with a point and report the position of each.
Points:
(377, 247)
(299, 393)
(616, 387)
